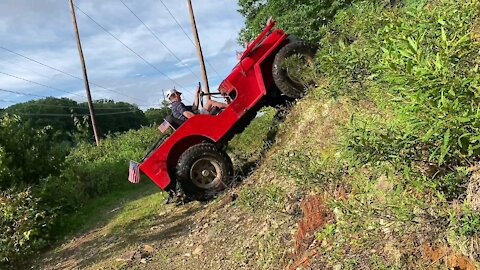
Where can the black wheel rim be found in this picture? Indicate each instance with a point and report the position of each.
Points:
(205, 173)
(293, 75)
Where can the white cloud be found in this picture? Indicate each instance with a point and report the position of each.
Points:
(42, 30)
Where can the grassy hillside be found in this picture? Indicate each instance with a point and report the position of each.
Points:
(388, 139)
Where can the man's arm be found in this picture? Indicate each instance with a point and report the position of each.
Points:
(220, 105)
(181, 110)
(188, 114)
(195, 101)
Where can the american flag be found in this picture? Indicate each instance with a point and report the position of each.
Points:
(134, 172)
(164, 126)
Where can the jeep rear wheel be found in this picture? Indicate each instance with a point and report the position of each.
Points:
(203, 170)
(287, 78)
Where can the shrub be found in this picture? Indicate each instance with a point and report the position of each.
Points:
(26, 154)
(24, 225)
(29, 217)
(90, 171)
(427, 70)
(303, 18)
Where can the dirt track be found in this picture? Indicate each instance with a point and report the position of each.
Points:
(217, 235)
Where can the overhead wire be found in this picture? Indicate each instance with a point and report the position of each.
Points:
(69, 115)
(65, 73)
(20, 93)
(41, 84)
(130, 49)
(76, 77)
(159, 40)
(17, 65)
(185, 33)
(59, 106)
(69, 107)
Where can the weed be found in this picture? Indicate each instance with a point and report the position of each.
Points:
(326, 232)
(269, 197)
(466, 223)
(270, 251)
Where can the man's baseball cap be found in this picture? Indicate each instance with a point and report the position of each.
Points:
(171, 92)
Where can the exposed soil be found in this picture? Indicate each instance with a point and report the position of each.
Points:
(447, 257)
(217, 235)
(473, 190)
(315, 215)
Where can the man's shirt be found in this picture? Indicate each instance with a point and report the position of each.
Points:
(178, 108)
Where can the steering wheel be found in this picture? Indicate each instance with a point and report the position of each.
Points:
(200, 93)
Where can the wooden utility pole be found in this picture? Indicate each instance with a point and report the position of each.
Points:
(199, 47)
(85, 76)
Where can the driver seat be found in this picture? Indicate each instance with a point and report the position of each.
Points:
(175, 123)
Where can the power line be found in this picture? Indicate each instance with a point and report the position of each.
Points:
(20, 93)
(159, 40)
(185, 33)
(70, 107)
(53, 105)
(130, 49)
(37, 83)
(64, 72)
(69, 115)
(17, 65)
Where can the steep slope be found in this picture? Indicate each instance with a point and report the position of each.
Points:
(254, 225)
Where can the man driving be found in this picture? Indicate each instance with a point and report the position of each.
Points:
(182, 112)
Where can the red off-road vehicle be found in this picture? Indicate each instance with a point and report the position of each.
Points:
(193, 155)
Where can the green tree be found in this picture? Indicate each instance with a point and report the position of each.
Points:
(63, 116)
(302, 18)
(54, 108)
(115, 117)
(155, 116)
(27, 154)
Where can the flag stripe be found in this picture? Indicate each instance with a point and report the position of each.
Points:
(134, 172)
(164, 126)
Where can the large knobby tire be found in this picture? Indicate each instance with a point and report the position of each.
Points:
(203, 170)
(289, 85)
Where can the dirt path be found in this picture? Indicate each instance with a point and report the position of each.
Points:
(217, 235)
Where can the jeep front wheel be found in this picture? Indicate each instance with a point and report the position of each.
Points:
(287, 73)
(203, 170)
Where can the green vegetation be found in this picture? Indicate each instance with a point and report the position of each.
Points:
(24, 224)
(393, 123)
(92, 212)
(156, 116)
(66, 117)
(248, 147)
(91, 171)
(33, 213)
(48, 170)
(269, 198)
(303, 18)
(27, 155)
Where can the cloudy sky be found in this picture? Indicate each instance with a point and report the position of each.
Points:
(43, 31)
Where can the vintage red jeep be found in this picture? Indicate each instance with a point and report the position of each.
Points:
(194, 153)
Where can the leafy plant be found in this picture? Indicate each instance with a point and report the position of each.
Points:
(469, 224)
(24, 224)
(27, 154)
(303, 18)
(90, 171)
